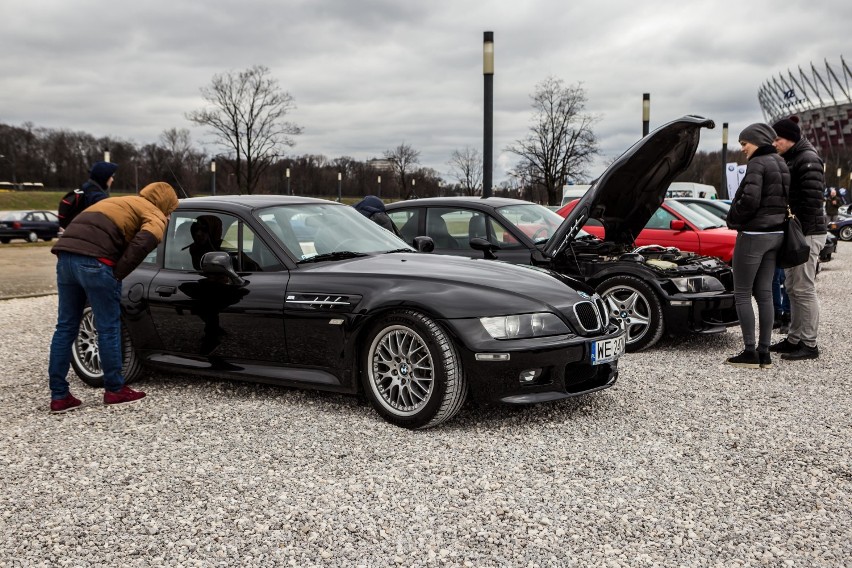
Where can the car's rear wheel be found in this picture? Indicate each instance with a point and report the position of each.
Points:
(411, 371)
(32, 237)
(5, 240)
(636, 307)
(845, 233)
(85, 355)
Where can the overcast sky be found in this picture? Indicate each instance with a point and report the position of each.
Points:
(367, 75)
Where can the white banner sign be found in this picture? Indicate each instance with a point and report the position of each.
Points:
(735, 173)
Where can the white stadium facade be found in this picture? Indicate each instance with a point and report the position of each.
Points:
(821, 96)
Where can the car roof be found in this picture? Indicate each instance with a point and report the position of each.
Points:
(249, 202)
(455, 201)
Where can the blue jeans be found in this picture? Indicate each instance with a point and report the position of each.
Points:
(780, 299)
(79, 278)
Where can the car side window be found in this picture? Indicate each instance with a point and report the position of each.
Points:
(448, 228)
(661, 219)
(407, 222)
(192, 234)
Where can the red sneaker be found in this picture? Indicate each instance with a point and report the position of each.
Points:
(124, 396)
(64, 404)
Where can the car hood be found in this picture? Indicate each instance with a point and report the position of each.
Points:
(456, 286)
(630, 190)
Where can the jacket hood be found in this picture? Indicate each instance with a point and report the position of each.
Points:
(630, 190)
(162, 195)
(370, 205)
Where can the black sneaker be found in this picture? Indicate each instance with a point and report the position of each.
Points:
(765, 360)
(748, 359)
(783, 346)
(803, 352)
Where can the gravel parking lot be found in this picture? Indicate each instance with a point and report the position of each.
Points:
(685, 462)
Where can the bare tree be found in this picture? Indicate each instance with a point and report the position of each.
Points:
(247, 112)
(561, 143)
(402, 158)
(466, 168)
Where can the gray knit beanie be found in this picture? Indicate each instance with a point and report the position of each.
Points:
(759, 134)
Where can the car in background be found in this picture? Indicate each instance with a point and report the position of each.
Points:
(355, 310)
(720, 209)
(649, 290)
(842, 228)
(28, 225)
(674, 224)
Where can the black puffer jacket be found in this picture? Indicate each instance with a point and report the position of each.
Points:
(807, 186)
(760, 203)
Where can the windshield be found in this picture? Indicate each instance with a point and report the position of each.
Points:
(536, 221)
(715, 211)
(310, 230)
(702, 220)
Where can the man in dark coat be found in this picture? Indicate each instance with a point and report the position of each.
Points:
(100, 180)
(373, 209)
(807, 188)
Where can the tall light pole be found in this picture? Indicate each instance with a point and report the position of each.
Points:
(646, 113)
(839, 172)
(213, 176)
(106, 155)
(287, 175)
(380, 187)
(723, 186)
(413, 193)
(136, 170)
(488, 127)
(339, 187)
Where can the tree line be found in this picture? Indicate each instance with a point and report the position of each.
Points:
(246, 112)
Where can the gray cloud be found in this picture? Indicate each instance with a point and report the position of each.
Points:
(368, 75)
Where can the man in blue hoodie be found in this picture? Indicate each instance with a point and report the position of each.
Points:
(373, 209)
(100, 180)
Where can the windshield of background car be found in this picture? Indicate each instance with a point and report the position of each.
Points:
(12, 215)
(700, 220)
(310, 229)
(535, 221)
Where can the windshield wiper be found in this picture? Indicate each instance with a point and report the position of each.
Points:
(338, 255)
(398, 250)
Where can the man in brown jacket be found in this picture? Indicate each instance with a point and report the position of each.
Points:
(101, 246)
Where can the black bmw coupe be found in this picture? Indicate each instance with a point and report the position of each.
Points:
(233, 291)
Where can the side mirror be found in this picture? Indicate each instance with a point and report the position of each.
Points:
(424, 244)
(218, 263)
(677, 225)
(484, 245)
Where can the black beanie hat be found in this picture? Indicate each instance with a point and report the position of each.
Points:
(102, 171)
(759, 134)
(788, 128)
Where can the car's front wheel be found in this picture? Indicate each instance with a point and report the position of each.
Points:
(85, 354)
(845, 233)
(411, 371)
(636, 307)
(32, 237)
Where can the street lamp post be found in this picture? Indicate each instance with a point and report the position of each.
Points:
(287, 175)
(339, 187)
(413, 192)
(723, 185)
(213, 176)
(839, 172)
(380, 187)
(106, 155)
(646, 113)
(488, 127)
(136, 172)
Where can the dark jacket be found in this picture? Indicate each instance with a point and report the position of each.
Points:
(760, 203)
(832, 204)
(373, 208)
(93, 192)
(121, 230)
(807, 186)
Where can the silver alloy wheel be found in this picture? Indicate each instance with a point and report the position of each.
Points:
(631, 309)
(401, 373)
(846, 233)
(32, 237)
(86, 346)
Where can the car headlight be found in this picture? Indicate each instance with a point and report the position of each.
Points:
(832, 225)
(693, 284)
(521, 326)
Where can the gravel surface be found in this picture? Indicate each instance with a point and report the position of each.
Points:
(685, 462)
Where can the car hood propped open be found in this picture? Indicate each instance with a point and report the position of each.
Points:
(630, 190)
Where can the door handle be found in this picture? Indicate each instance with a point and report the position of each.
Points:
(165, 290)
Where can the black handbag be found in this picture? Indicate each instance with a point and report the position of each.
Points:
(795, 250)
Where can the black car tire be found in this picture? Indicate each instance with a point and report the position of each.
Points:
(627, 297)
(412, 374)
(85, 356)
(845, 233)
(32, 237)
(47, 239)
(5, 240)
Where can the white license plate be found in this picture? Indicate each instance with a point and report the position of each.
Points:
(607, 350)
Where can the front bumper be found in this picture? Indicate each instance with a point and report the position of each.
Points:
(700, 313)
(562, 365)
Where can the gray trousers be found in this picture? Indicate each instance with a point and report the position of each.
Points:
(801, 288)
(754, 266)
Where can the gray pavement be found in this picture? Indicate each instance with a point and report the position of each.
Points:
(27, 269)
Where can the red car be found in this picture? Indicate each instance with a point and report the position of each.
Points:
(676, 225)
